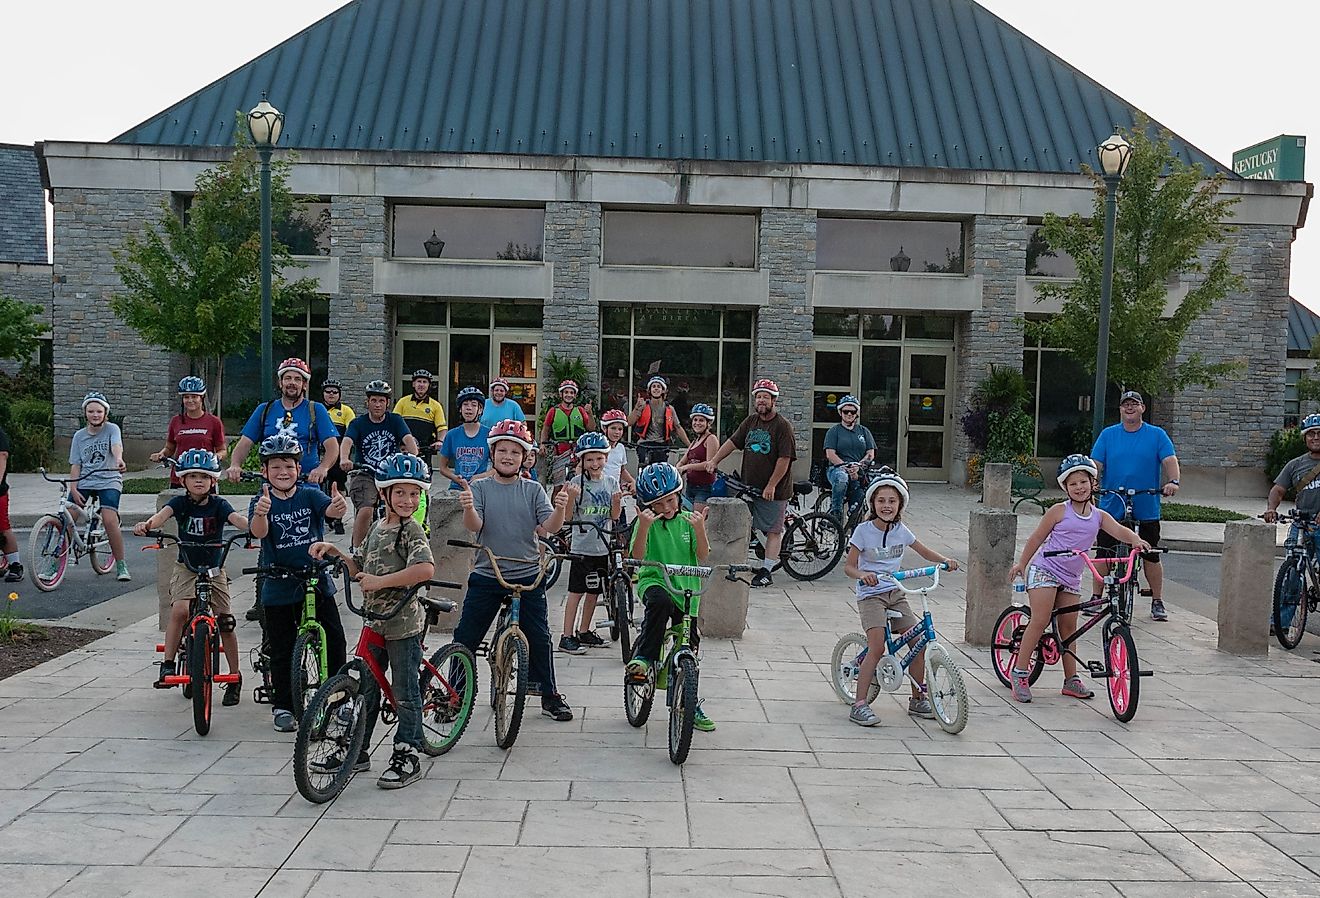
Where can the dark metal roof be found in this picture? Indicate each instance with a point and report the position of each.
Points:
(22, 206)
(1303, 325)
(924, 83)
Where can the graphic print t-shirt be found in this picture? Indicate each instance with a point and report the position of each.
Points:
(593, 505)
(880, 552)
(91, 451)
(295, 523)
(1293, 473)
(468, 456)
(763, 443)
(206, 432)
(200, 523)
(295, 422)
(372, 442)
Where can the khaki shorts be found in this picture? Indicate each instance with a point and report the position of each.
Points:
(182, 590)
(873, 611)
(362, 491)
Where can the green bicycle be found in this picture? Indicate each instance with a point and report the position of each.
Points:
(311, 659)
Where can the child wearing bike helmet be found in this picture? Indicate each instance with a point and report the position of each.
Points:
(394, 557)
(463, 453)
(875, 549)
(666, 534)
(288, 518)
(507, 512)
(1055, 581)
(692, 465)
(597, 502)
(202, 517)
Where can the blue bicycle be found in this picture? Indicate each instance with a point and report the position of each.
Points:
(944, 680)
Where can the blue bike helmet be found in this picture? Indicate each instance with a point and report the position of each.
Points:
(656, 481)
(849, 399)
(1310, 422)
(1079, 462)
(280, 445)
(192, 385)
(97, 397)
(591, 441)
(197, 461)
(657, 379)
(402, 468)
(702, 410)
(469, 393)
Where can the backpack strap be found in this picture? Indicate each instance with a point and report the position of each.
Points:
(1306, 481)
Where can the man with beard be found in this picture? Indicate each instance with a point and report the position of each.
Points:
(293, 414)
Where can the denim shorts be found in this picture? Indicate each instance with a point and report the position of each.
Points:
(697, 493)
(109, 498)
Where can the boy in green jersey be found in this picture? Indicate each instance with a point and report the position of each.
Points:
(663, 534)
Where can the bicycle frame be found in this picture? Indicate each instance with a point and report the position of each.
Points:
(921, 634)
(1110, 604)
(678, 636)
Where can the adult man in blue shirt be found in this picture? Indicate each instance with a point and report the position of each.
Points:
(295, 415)
(1135, 455)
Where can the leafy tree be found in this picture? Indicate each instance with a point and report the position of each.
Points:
(1167, 212)
(520, 252)
(192, 283)
(20, 331)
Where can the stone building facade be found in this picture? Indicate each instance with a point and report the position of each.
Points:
(25, 271)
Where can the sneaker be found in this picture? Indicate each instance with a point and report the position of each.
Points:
(14, 573)
(405, 768)
(554, 707)
(121, 572)
(283, 721)
(919, 706)
(863, 716)
(762, 578)
(570, 646)
(702, 722)
(1157, 611)
(591, 640)
(1021, 685)
(638, 670)
(1093, 610)
(167, 669)
(1073, 687)
(336, 760)
(253, 613)
(232, 693)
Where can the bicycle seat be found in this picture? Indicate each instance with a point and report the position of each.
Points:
(444, 606)
(803, 487)
(892, 614)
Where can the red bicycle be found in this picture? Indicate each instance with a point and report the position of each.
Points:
(1119, 670)
(334, 725)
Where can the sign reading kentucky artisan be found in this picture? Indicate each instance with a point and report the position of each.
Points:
(1282, 158)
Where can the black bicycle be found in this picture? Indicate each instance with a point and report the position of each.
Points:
(854, 511)
(813, 541)
(1297, 584)
(617, 588)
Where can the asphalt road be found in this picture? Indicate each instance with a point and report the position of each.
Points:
(82, 588)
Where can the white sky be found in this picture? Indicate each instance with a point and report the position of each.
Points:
(1223, 75)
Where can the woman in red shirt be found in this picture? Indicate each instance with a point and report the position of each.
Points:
(194, 427)
(697, 481)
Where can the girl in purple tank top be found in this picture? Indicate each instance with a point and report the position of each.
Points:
(1055, 581)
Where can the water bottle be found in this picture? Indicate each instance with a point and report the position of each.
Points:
(1019, 591)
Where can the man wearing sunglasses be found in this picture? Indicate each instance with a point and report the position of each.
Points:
(847, 444)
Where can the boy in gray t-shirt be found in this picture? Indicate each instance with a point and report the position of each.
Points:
(598, 504)
(96, 464)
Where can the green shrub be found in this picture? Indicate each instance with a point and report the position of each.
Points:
(1011, 434)
(27, 416)
(1285, 445)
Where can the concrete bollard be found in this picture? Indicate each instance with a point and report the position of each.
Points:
(1246, 572)
(165, 558)
(997, 485)
(451, 563)
(991, 546)
(724, 603)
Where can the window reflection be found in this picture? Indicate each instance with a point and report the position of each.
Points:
(1045, 262)
(468, 232)
(870, 244)
(698, 240)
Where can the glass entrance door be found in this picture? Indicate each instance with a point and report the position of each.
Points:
(420, 347)
(515, 359)
(926, 414)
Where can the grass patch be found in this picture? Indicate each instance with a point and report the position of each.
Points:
(150, 486)
(1185, 513)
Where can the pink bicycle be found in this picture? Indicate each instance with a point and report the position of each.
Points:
(1119, 669)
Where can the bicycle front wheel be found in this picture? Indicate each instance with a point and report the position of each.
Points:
(1290, 603)
(1005, 641)
(948, 692)
(682, 707)
(330, 737)
(1124, 680)
(637, 698)
(48, 553)
(813, 545)
(305, 674)
(98, 551)
(510, 688)
(447, 705)
(620, 613)
(847, 661)
(200, 653)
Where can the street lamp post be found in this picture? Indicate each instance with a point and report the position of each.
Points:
(265, 123)
(1114, 154)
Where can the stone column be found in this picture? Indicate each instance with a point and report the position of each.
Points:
(1246, 570)
(724, 603)
(997, 485)
(570, 323)
(360, 344)
(451, 563)
(997, 254)
(786, 252)
(991, 544)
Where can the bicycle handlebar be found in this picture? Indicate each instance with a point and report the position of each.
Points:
(930, 570)
(224, 547)
(439, 604)
(519, 588)
(1117, 559)
(278, 572)
(65, 481)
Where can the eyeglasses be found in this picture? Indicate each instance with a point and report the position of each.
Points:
(847, 411)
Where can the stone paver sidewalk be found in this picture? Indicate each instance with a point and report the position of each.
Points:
(1213, 790)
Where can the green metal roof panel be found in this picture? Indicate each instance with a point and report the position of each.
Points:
(927, 83)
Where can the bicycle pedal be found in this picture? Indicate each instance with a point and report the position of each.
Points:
(1145, 673)
(1097, 670)
(1146, 593)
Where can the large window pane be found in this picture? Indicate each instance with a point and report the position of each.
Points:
(614, 365)
(835, 324)
(520, 314)
(616, 320)
(833, 369)
(738, 323)
(306, 232)
(469, 232)
(1062, 426)
(866, 244)
(676, 321)
(469, 314)
(929, 327)
(1044, 262)
(320, 313)
(735, 385)
(422, 311)
(469, 365)
(880, 389)
(680, 238)
(691, 366)
(882, 327)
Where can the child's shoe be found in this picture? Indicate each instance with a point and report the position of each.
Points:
(638, 670)
(702, 722)
(283, 720)
(590, 640)
(919, 706)
(232, 693)
(569, 646)
(1021, 685)
(554, 707)
(405, 768)
(167, 669)
(863, 716)
(1075, 688)
(336, 760)
(121, 572)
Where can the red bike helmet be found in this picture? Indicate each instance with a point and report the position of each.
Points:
(613, 416)
(298, 365)
(514, 432)
(766, 385)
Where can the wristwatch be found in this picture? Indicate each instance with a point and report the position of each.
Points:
(1174, 482)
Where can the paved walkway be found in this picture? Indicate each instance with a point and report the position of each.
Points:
(1214, 789)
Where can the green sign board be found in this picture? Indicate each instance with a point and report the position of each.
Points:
(1282, 158)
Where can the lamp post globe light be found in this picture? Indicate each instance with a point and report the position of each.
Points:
(265, 124)
(1114, 155)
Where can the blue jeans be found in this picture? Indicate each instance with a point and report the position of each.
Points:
(841, 487)
(403, 657)
(481, 604)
